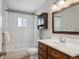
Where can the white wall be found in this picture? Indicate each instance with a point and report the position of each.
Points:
(47, 8)
(20, 37)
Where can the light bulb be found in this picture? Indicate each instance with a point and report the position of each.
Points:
(54, 7)
(66, 4)
(61, 2)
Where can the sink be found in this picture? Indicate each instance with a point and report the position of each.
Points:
(62, 44)
(67, 44)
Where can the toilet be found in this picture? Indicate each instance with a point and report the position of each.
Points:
(33, 53)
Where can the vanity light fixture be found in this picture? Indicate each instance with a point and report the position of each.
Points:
(74, 1)
(58, 3)
(54, 6)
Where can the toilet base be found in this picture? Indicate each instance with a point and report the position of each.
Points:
(33, 57)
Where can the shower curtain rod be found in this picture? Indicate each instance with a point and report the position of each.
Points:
(30, 13)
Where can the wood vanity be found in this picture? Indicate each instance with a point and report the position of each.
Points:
(47, 52)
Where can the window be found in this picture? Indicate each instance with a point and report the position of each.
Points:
(22, 22)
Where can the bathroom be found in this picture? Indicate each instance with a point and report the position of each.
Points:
(23, 32)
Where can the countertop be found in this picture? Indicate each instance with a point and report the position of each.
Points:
(69, 48)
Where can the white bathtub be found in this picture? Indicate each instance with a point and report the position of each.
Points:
(18, 53)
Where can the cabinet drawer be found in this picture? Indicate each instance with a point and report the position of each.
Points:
(56, 54)
(43, 46)
(43, 53)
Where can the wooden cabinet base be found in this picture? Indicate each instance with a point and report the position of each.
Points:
(46, 52)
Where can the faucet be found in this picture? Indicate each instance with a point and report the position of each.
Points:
(62, 40)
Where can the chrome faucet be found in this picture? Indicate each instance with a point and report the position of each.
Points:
(62, 40)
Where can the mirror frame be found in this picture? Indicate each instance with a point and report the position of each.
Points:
(63, 32)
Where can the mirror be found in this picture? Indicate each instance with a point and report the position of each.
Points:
(66, 20)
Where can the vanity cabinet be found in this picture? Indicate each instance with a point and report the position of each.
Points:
(46, 52)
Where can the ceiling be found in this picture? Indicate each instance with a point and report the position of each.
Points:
(25, 5)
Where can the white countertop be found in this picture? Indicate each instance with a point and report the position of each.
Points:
(71, 49)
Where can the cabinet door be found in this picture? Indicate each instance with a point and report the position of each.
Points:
(41, 56)
(42, 51)
(76, 57)
(42, 46)
(57, 54)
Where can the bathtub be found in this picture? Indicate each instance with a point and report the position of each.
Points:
(17, 54)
